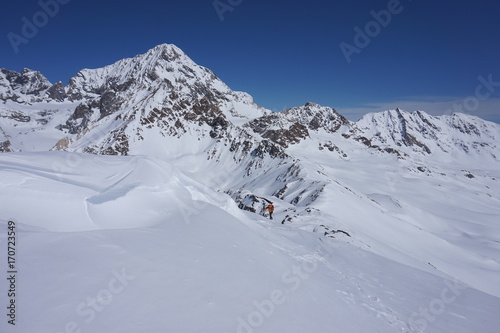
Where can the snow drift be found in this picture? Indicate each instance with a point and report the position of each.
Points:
(128, 244)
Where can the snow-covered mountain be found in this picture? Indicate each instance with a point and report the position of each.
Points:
(164, 93)
(27, 86)
(409, 191)
(425, 134)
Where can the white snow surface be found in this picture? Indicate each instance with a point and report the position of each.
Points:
(389, 224)
(131, 244)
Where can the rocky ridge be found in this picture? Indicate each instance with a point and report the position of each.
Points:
(163, 103)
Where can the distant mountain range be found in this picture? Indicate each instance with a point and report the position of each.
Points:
(164, 104)
(325, 173)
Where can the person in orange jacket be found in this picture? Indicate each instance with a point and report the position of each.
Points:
(270, 208)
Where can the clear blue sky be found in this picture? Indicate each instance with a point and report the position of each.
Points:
(286, 52)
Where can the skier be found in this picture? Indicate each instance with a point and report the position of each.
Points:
(270, 208)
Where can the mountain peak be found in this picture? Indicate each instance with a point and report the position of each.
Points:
(164, 65)
(419, 132)
(165, 53)
(27, 86)
(311, 104)
(316, 116)
(169, 49)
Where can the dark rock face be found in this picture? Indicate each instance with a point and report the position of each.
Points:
(57, 92)
(219, 126)
(316, 117)
(291, 126)
(287, 136)
(266, 147)
(78, 121)
(5, 147)
(407, 138)
(27, 82)
(249, 201)
(109, 103)
(27, 86)
(19, 117)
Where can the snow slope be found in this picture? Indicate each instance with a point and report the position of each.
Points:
(130, 244)
(392, 220)
(438, 210)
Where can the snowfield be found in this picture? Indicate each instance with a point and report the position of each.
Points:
(131, 201)
(131, 244)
